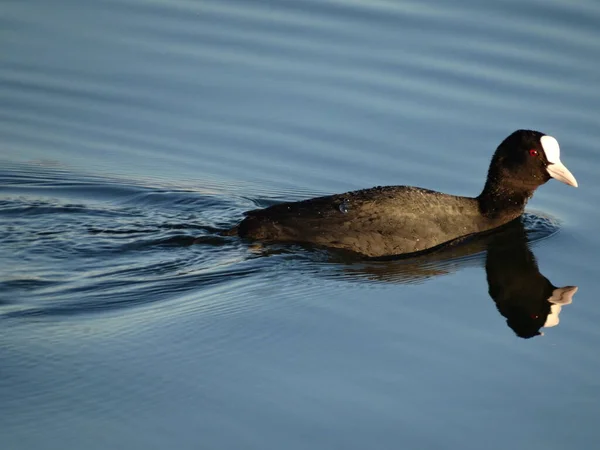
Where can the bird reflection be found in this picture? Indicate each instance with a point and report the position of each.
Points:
(521, 293)
(527, 299)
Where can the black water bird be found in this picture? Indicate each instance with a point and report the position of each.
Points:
(400, 220)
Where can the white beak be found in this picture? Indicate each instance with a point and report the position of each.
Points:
(556, 168)
(559, 172)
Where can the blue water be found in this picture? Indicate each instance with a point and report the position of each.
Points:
(131, 130)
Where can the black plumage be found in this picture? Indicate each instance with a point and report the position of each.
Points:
(399, 220)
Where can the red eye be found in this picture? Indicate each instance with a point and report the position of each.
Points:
(533, 152)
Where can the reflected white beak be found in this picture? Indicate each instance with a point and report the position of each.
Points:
(563, 295)
(560, 297)
(558, 171)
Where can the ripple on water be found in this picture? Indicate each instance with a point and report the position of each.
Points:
(135, 245)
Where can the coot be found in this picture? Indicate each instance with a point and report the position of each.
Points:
(399, 220)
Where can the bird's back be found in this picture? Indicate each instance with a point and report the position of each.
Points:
(376, 222)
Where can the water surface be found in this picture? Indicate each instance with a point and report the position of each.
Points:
(131, 131)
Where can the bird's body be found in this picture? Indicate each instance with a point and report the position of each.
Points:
(375, 222)
(396, 220)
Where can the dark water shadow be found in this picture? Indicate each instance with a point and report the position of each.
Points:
(527, 299)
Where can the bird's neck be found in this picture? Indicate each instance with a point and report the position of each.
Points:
(503, 200)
